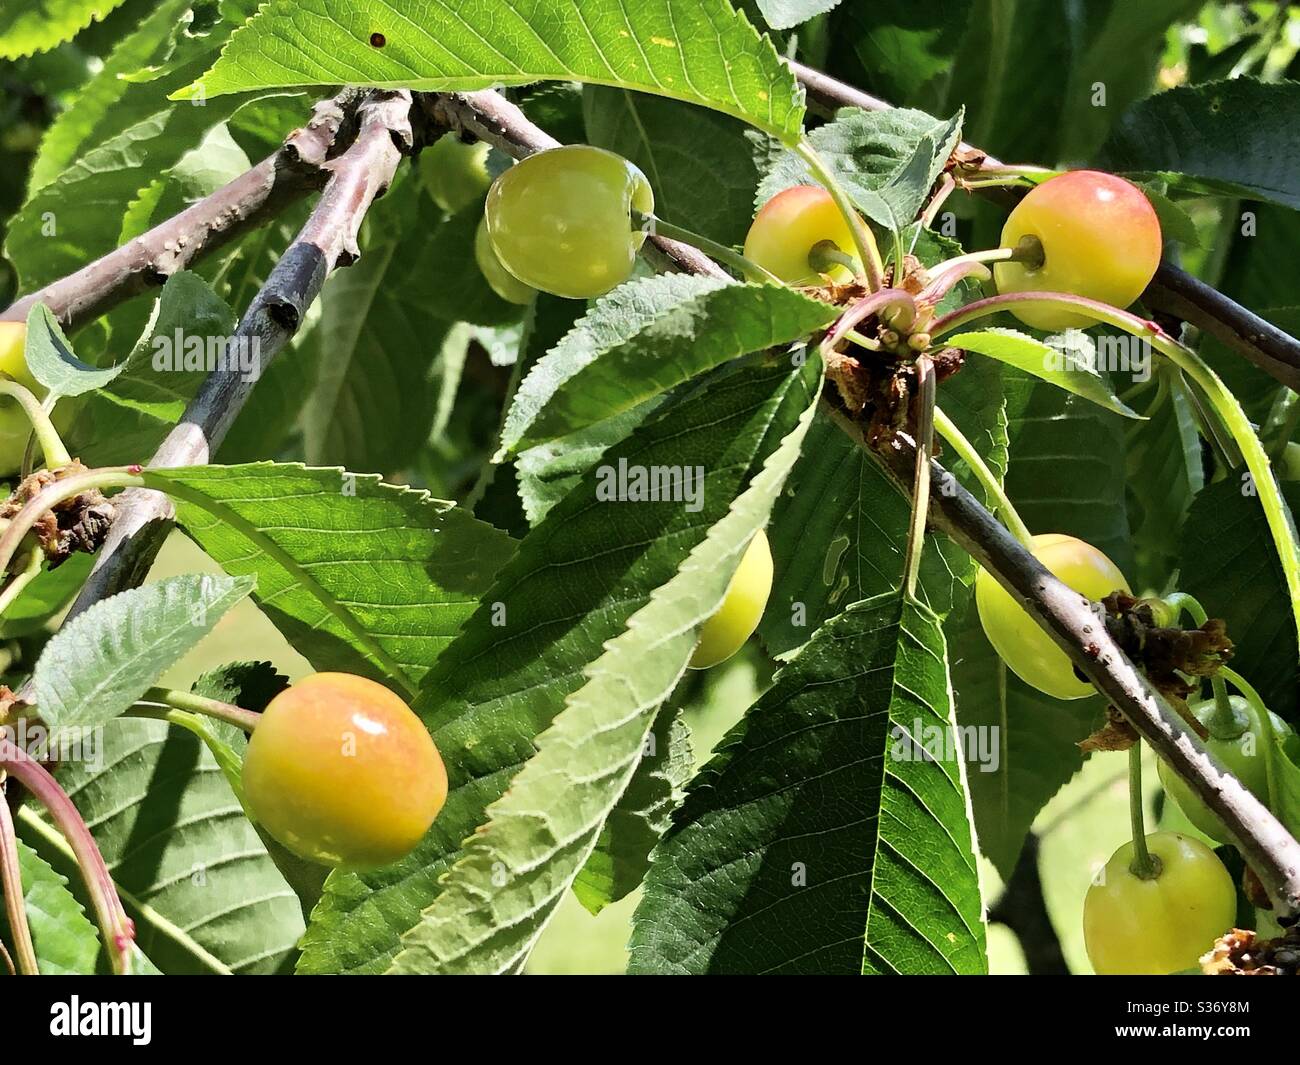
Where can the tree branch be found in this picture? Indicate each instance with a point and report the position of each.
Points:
(328, 239)
(1068, 618)
(1172, 291)
(296, 169)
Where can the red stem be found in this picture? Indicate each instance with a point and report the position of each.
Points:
(116, 927)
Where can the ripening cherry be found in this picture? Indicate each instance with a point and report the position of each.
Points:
(1100, 238)
(742, 608)
(1026, 649)
(562, 220)
(1242, 750)
(1163, 925)
(340, 771)
(454, 172)
(788, 227)
(499, 279)
(15, 426)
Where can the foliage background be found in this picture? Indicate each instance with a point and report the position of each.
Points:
(1025, 74)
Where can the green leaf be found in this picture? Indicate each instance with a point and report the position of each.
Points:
(1164, 473)
(125, 422)
(103, 660)
(47, 595)
(517, 867)
(572, 586)
(190, 869)
(77, 216)
(52, 361)
(1233, 138)
(25, 29)
(360, 576)
(438, 259)
(93, 113)
(66, 942)
(1069, 361)
(1067, 466)
(1230, 564)
(621, 856)
(786, 14)
(644, 338)
(896, 48)
(829, 834)
(701, 51)
(1175, 222)
(372, 403)
(887, 161)
(548, 472)
(704, 166)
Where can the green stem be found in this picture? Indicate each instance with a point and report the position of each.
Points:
(1268, 735)
(862, 341)
(750, 269)
(11, 878)
(1225, 405)
(55, 493)
(47, 436)
(1282, 424)
(826, 255)
(921, 477)
(1144, 866)
(1003, 507)
(868, 252)
(197, 704)
(14, 588)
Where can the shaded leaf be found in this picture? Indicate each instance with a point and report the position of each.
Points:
(829, 834)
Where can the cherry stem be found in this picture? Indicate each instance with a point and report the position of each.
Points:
(55, 493)
(965, 450)
(1226, 406)
(868, 251)
(656, 226)
(925, 417)
(862, 341)
(15, 908)
(114, 925)
(1267, 733)
(946, 187)
(825, 255)
(874, 303)
(47, 436)
(246, 720)
(1282, 423)
(1145, 865)
(14, 587)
